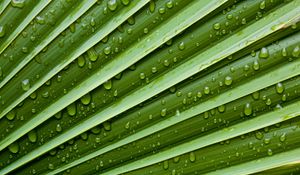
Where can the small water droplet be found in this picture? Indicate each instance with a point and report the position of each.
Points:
(217, 26)
(11, 115)
(282, 138)
(296, 52)
(58, 128)
(2, 31)
(107, 50)
(50, 166)
(262, 5)
(163, 112)
(192, 157)
(256, 65)
(142, 75)
(166, 164)
(125, 2)
(206, 90)
(107, 126)
(181, 46)
(259, 135)
(81, 61)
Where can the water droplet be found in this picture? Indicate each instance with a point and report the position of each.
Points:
(256, 65)
(169, 4)
(152, 6)
(153, 69)
(192, 157)
(125, 2)
(279, 88)
(40, 20)
(58, 128)
(107, 85)
(181, 46)
(221, 108)
(256, 95)
(163, 112)
(282, 138)
(107, 126)
(14, 148)
(50, 166)
(71, 109)
(81, 61)
(2, 31)
(26, 85)
(284, 52)
(142, 75)
(217, 26)
(264, 53)
(86, 99)
(296, 52)
(11, 115)
(206, 90)
(161, 10)
(270, 152)
(228, 80)
(262, 5)
(112, 5)
(166, 164)
(32, 136)
(248, 109)
(259, 135)
(18, 3)
(107, 50)
(92, 54)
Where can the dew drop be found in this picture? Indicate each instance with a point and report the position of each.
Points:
(153, 69)
(221, 108)
(217, 26)
(181, 46)
(71, 109)
(92, 54)
(107, 126)
(279, 88)
(152, 6)
(256, 65)
(11, 115)
(282, 138)
(81, 61)
(228, 80)
(270, 152)
(296, 52)
(163, 112)
(107, 85)
(192, 157)
(107, 50)
(112, 5)
(169, 4)
(86, 99)
(166, 164)
(262, 5)
(284, 52)
(248, 109)
(26, 85)
(125, 2)
(58, 128)
(259, 135)
(2, 31)
(264, 53)
(142, 75)
(206, 90)
(14, 148)
(18, 3)
(50, 166)
(32, 136)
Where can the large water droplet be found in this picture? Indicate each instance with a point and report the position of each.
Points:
(112, 5)
(86, 99)
(107, 126)
(14, 148)
(71, 109)
(248, 109)
(32, 136)
(152, 6)
(18, 3)
(264, 53)
(92, 54)
(107, 85)
(279, 88)
(26, 85)
(166, 164)
(11, 115)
